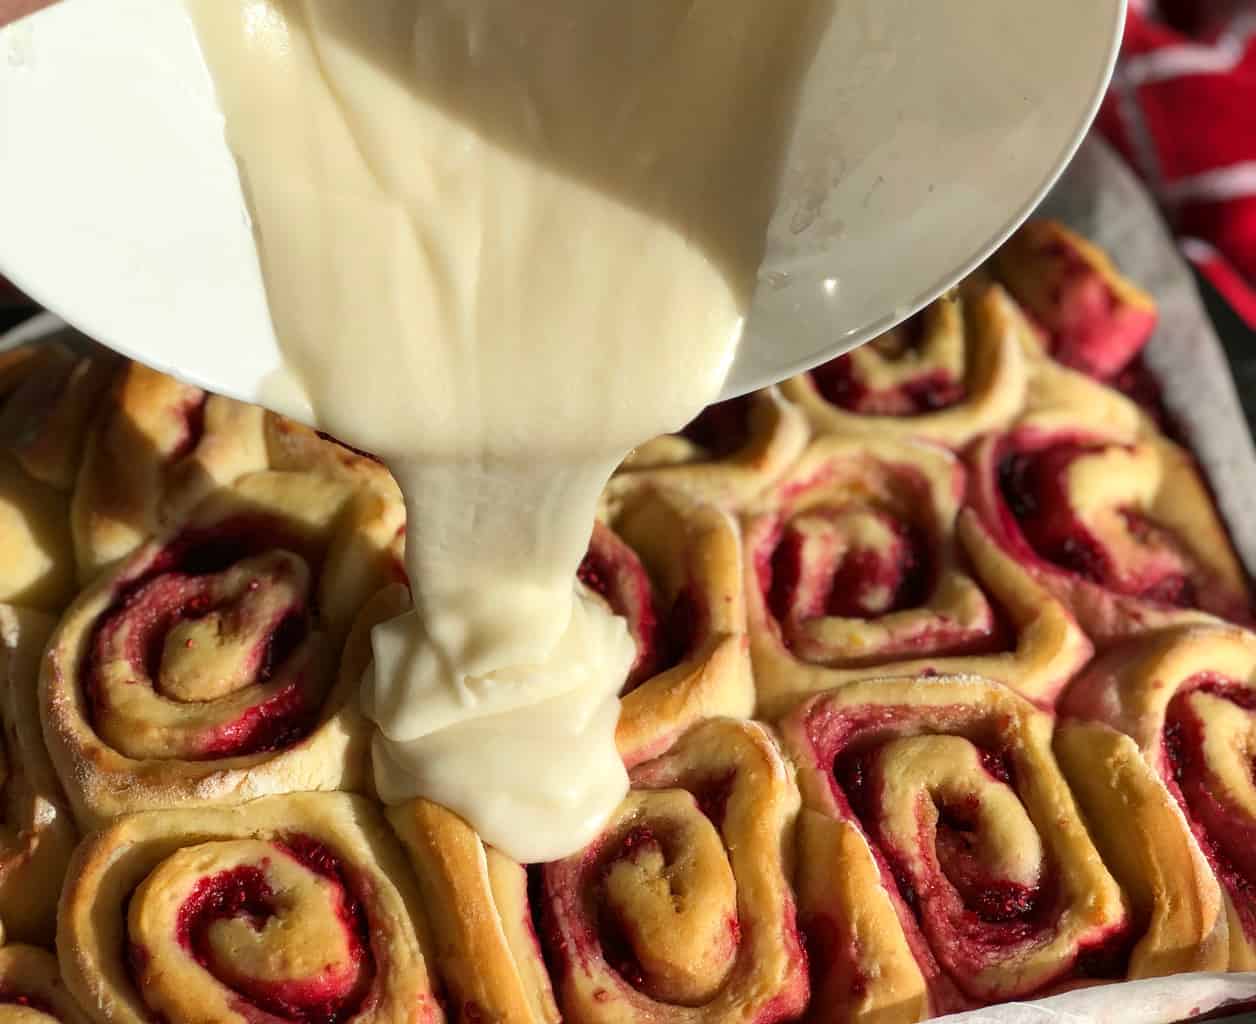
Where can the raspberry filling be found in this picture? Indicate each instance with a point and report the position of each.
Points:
(1012, 909)
(1150, 563)
(215, 616)
(813, 577)
(1089, 326)
(868, 564)
(193, 417)
(612, 570)
(661, 900)
(1207, 752)
(842, 383)
(243, 894)
(951, 843)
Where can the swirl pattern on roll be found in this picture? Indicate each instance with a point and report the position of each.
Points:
(1091, 317)
(297, 908)
(1113, 519)
(954, 371)
(942, 861)
(726, 456)
(31, 990)
(204, 668)
(858, 559)
(671, 567)
(157, 449)
(37, 835)
(680, 910)
(1186, 699)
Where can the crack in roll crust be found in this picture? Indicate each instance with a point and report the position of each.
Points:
(205, 668)
(858, 561)
(953, 372)
(31, 990)
(1111, 517)
(1186, 701)
(942, 861)
(680, 910)
(296, 908)
(38, 834)
(157, 449)
(726, 456)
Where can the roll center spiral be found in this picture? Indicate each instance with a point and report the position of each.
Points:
(261, 919)
(670, 899)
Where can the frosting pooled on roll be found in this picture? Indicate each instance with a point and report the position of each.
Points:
(503, 244)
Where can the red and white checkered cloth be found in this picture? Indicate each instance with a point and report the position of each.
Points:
(1183, 111)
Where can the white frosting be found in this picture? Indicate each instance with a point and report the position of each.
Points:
(504, 243)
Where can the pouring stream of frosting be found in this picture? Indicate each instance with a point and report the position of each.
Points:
(503, 244)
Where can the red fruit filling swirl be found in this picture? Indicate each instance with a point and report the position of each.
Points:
(841, 383)
(969, 916)
(665, 927)
(985, 912)
(1154, 565)
(862, 562)
(211, 620)
(1213, 717)
(1089, 327)
(243, 894)
(820, 567)
(612, 570)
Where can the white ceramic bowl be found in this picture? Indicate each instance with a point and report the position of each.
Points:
(930, 129)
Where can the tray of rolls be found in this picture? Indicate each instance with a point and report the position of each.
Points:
(944, 698)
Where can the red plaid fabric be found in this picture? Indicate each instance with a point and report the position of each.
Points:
(1183, 111)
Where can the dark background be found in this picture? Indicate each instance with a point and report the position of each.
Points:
(1240, 346)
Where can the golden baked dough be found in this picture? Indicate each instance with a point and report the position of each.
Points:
(726, 457)
(31, 990)
(952, 373)
(1186, 699)
(672, 566)
(1105, 513)
(49, 394)
(944, 864)
(38, 834)
(1092, 318)
(855, 564)
(50, 397)
(485, 946)
(36, 553)
(204, 668)
(681, 910)
(300, 906)
(295, 448)
(157, 449)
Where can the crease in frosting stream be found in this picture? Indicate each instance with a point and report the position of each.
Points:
(503, 244)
